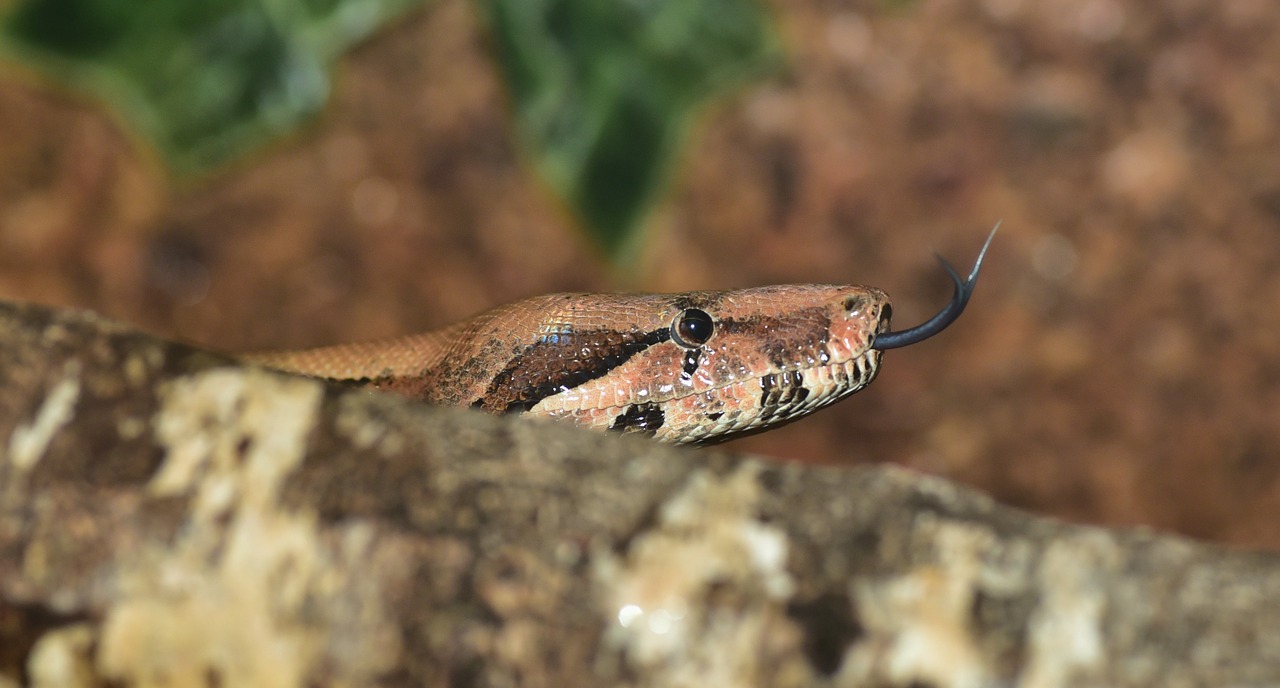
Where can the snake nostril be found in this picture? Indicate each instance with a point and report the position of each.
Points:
(853, 304)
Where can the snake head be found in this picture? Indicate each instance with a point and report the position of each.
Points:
(703, 367)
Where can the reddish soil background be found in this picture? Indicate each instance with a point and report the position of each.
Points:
(1120, 363)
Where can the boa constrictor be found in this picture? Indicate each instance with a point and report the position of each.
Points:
(697, 367)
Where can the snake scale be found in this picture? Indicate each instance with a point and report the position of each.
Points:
(697, 367)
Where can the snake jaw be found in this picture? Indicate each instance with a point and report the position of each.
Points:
(783, 397)
(728, 411)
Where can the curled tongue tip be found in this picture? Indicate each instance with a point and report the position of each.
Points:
(943, 318)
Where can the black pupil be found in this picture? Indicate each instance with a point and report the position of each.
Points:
(695, 326)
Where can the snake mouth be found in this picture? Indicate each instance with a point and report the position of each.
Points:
(804, 390)
(857, 371)
(757, 402)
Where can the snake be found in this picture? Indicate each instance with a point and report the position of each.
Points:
(697, 367)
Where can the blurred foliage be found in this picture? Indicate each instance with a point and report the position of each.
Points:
(203, 80)
(604, 91)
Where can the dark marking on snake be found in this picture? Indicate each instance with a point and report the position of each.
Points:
(715, 416)
(552, 366)
(704, 300)
(780, 391)
(691, 359)
(685, 301)
(643, 418)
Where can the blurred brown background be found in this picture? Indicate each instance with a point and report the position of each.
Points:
(1120, 363)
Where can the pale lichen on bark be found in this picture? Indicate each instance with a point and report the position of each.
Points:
(225, 597)
(168, 517)
(706, 537)
(27, 443)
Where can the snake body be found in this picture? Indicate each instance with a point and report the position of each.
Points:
(694, 367)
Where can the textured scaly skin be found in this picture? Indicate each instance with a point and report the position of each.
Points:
(611, 361)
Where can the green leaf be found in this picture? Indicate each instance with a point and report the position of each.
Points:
(203, 80)
(604, 92)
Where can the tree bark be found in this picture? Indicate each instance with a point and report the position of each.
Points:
(170, 517)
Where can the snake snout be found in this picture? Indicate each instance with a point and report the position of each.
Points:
(856, 306)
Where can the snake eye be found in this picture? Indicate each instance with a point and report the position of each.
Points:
(693, 328)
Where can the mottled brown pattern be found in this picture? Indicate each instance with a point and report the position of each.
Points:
(799, 336)
(591, 358)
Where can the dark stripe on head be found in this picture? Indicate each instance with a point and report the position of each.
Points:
(550, 367)
(643, 418)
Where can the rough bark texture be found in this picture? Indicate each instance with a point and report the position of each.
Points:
(170, 518)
